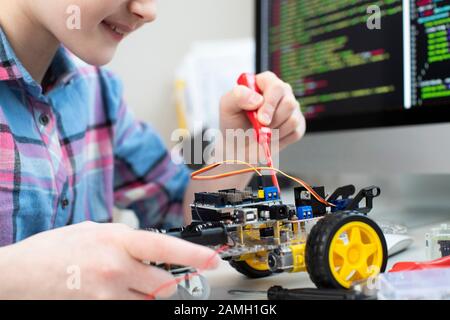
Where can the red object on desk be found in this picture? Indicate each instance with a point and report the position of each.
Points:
(263, 134)
(410, 266)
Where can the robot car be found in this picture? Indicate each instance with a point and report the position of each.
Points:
(336, 244)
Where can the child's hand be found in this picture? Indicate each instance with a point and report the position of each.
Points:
(104, 260)
(277, 108)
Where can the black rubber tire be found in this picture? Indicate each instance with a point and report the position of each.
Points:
(318, 244)
(244, 268)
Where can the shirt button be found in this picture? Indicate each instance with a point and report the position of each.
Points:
(44, 119)
(64, 203)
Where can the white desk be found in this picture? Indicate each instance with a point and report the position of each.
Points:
(225, 278)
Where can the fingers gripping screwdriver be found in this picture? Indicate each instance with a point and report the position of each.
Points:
(263, 133)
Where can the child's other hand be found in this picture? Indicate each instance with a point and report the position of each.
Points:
(96, 261)
(277, 108)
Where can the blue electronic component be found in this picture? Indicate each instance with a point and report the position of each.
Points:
(304, 212)
(271, 193)
(340, 204)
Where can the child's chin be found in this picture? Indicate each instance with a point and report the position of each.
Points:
(99, 58)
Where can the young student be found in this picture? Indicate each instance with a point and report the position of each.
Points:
(70, 149)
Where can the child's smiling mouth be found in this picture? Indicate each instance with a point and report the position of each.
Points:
(116, 30)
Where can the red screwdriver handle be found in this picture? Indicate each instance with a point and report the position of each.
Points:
(249, 80)
(263, 133)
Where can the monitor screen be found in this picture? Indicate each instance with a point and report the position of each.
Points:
(355, 64)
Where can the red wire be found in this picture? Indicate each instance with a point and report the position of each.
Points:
(270, 164)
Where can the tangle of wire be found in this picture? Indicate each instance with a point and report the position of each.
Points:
(196, 175)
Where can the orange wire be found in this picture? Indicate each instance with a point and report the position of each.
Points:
(215, 165)
(195, 176)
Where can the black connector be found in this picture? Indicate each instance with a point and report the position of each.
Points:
(444, 247)
(278, 212)
(208, 234)
(304, 198)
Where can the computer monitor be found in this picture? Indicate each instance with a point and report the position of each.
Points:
(357, 67)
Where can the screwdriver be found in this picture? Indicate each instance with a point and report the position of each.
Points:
(280, 293)
(263, 133)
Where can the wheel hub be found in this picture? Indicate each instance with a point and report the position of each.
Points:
(354, 255)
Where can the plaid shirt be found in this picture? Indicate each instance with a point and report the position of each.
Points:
(69, 154)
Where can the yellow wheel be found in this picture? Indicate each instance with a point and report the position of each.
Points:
(259, 262)
(356, 252)
(343, 248)
(253, 267)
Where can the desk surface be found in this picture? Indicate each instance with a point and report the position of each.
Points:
(225, 278)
